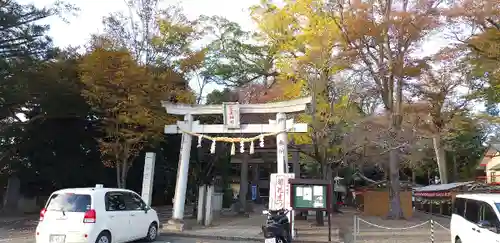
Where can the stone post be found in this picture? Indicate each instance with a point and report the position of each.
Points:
(12, 194)
(148, 178)
(208, 205)
(201, 203)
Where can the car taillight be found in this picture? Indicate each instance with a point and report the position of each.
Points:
(89, 216)
(42, 214)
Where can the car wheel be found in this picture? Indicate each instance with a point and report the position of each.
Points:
(103, 237)
(458, 240)
(152, 232)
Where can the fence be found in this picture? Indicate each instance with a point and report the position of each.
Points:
(428, 231)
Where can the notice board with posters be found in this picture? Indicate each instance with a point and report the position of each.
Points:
(309, 194)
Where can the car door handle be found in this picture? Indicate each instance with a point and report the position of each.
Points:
(132, 214)
(111, 216)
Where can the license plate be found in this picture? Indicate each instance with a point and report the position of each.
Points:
(57, 238)
(270, 240)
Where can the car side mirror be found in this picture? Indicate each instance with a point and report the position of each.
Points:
(265, 212)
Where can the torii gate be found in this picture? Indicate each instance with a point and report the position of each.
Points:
(231, 112)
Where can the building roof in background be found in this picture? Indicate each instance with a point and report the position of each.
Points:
(442, 187)
(491, 152)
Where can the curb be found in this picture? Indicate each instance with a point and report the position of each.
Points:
(212, 237)
(231, 238)
(433, 214)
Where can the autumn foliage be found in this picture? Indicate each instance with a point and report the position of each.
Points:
(128, 97)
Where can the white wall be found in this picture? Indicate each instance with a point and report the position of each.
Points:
(495, 161)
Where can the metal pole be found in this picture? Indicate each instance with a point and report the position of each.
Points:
(182, 172)
(329, 227)
(354, 230)
(330, 209)
(432, 231)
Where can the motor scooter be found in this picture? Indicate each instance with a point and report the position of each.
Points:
(277, 228)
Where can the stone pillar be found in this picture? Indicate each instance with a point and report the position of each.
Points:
(208, 205)
(201, 203)
(12, 194)
(244, 182)
(148, 178)
(281, 142)
(182, 178)
(296, 163)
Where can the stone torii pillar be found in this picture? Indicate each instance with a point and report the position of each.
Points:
(231, 112)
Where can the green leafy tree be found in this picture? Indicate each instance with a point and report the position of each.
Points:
(24, 46)
(234, 58)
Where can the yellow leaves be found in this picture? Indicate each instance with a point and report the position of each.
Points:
(192, 61)
(107, 74)
(301, 28)
(292, 90)
(307, 39)
(174, 39)
(304, 35)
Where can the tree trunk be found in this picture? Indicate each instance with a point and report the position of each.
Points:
(440, 158)
(118, 176)
(455, 167)
(326, 174)
(395, 211)
(123, 176)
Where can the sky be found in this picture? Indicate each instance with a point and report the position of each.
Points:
(89, 20)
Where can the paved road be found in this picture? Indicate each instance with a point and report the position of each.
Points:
(161, 240)
(16, 227)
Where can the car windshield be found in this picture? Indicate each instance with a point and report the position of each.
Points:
(498, 206)
(69, 202)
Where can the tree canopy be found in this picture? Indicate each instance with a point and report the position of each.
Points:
(379, 102)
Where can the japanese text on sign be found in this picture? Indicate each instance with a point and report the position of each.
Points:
(279, 194)
(231, 115)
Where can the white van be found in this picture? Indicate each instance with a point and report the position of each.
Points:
(96, 215)
(475, 218)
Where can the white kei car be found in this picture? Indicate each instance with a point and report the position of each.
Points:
(475, 218)
(96, 215)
